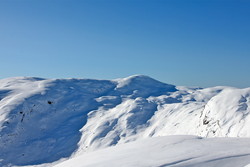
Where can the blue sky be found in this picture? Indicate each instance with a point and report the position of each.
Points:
(182, 42)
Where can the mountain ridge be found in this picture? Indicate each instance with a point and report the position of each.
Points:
(64, 117)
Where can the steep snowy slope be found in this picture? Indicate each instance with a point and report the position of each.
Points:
(42, 121)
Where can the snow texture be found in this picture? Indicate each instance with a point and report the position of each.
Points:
(178, 151)
(48, 120)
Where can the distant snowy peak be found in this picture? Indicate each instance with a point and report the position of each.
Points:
(122, 82)
(142, 85)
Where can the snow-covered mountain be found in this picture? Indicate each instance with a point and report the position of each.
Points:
(45, 120)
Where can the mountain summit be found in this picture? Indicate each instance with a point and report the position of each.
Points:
(44, 120)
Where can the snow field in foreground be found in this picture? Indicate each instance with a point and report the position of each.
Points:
(178, 151)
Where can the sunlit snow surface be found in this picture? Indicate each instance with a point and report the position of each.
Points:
(181, 151)
(43, 121)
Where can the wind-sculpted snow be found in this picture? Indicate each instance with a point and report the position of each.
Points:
(171, 151)
(44, 120)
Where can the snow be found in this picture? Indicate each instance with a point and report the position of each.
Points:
(45, 121)
(188, 151)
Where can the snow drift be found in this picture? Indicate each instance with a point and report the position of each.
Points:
(174, 151)
(44, 120)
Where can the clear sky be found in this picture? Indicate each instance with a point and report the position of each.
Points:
(182, 42)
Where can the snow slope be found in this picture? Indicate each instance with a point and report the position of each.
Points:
(44, 120)
(178, 151)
